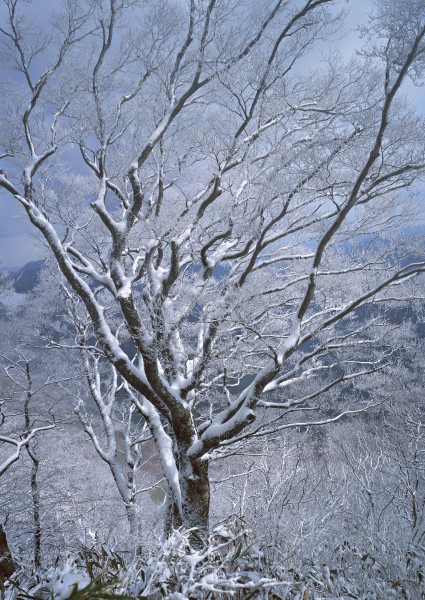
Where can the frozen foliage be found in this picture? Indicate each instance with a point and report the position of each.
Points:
(65, 580)
(228, 566)
(225, 564)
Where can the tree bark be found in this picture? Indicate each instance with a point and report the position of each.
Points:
(195, 498)
(7, 566)
(134, 526)
(36, 510)
(195, 490)
(173, 518)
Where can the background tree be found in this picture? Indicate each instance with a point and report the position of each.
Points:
(20, 421)
(221, 242)
(57, 492)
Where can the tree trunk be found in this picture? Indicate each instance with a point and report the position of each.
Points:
(134, 526)
(7, 566)
(35, 494)
(36, 509)
(195, 491)
(173, 518)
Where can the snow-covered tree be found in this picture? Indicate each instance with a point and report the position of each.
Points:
(17, 378)
(21, 387)
(222, 237)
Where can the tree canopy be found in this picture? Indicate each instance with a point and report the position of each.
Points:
(226, 210)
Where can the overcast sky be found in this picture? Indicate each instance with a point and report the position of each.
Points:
(18, 243)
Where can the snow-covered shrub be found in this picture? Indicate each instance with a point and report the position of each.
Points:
(356, 573)
(87, 574)
(228, 565)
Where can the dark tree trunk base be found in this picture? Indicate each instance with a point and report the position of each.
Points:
(7, 566)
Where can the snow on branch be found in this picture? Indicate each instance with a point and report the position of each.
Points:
(19, 444)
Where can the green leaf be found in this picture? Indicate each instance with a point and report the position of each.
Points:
(237, 553)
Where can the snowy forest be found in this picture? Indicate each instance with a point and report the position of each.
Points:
(211, 375)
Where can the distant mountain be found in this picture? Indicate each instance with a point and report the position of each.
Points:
(27, 277)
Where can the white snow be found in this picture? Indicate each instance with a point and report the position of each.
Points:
(12, 299)
(291, 341)
(125, 289)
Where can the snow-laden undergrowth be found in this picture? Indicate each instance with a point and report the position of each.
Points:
(228, 565)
